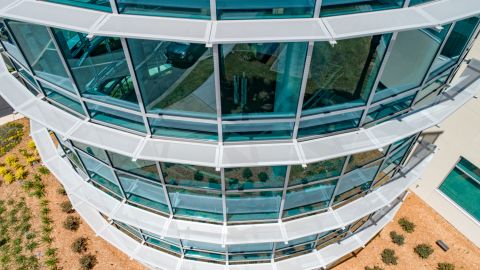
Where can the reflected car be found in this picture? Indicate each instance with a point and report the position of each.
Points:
(184, 55)
(118, 87)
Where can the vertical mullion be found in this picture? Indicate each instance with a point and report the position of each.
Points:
(109, 163)
(224, 196)
(14, 39)
(218, 96)
(165, 192)
(318, 6)
(386, 57)
(385, 158)
(306, 71)
(213, 10)
(69, 73)
(136, 87)
(113, 5)
(284, 192)
(406, 3)
(344, 168)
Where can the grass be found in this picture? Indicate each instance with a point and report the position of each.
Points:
(11, 134)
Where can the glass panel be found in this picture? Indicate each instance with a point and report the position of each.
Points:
(143, 192)
(257, 131)
(175, 78)
(455, 45)
(100, 173)
(356, 182)
(130, 230)
(340, 7)
(468, 167)
(92, 151)
(255, 177)
(267, 9)
(261, 79)
(308, 198)
(63, 99)
(433, 87)
(329, 124)
(195, 9)
(145, 168)
(116, 117)
(409, 61)
(102, 5)
(343, 75)
(99, 67)
(167, 243)
(359, 160)
(40, 52)
(25, 74)
(183, 129)
(196, 204)
(250, 252)
(9, 45)
(418, 2)
(191, 176)
(253, 205)
(387, 109)
(315, 171)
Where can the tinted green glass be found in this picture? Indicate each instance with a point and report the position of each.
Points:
(98, 67)
(387, 109)
(418, 2)
(468, 167)
(9, 45)
(196, 204)
(257, 131)
(431, 90)
(308, 198)
(92, 151)
(455, 45)
(315, 171)
(255, 177)
(116, 117)
(358, 160)
(191, 176)
(261, 79)
(342, 76)
(102, 5)
(183, 129)
(329, 124)
(175, 78)
(341, 7)
(248, 206)
(40, 52)
(63, 99)
(195, 9)
(267, 9)
(145, 168)
(409, 61)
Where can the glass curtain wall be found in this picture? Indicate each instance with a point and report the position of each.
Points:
(267, 9)
(101, 5)
(193, 9)
(341, 7)
(9, 44)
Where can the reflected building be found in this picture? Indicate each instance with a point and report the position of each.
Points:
(240, 134)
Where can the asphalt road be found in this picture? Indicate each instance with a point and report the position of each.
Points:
(5, 109)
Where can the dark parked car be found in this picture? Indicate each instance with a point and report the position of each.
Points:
(184, 55)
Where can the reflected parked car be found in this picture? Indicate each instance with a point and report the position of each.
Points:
(184, 55)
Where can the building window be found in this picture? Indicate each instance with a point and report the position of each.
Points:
(194, 9)
(241, 9)
(336, 7)
(102, 5)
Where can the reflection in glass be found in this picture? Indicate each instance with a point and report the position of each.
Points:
(145, 168)
(40, 52)
(98, 67)
(329, 124)
(257, 131)
(342, 76)
(9, 45)
(116, 117)
(315, 171)
(409, 61)
(195, 9)
(386, 109)
(358, 160)
(295, 247)
(59, 97)
(431, 90)
(253, 205)
(102, 5)
(305, 199)
(92, 151)
(241, 9)
(261, 79)
(255, 177)
(183, 129)
(175, 78)
(250, 252)
(418, 2)
(191, 176)
(340, 7)
(196, 204)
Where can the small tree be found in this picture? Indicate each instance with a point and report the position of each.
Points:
(406, 225)
(445, 266)
(71, 223)
(388, 257)
(247, 173)
(397, 238)
(263, 177)
(88, 261)
(423, 250)
(67, 207)
(198, 176)
(43, 170)
(79, 245)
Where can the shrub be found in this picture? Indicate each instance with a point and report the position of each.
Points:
(198, 176)
(61, 191)
(43, 170)
(51, 251)
(79, 245)
(397, 238)
(423, 250)
(31, 245)
(31, 145)
(3, 171)
(11, 160)
(32, 160)
(263, 176)
(445, 266)
(373, 268)
(247, 173)
(21, 174)
(71, 223)
(9, 178)
(66, 207)
(388, 257)
(88, 261)
(406, 225)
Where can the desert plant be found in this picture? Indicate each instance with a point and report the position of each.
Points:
(397, 238)
(373, 268)
(43, 170)
(31, 145)
(51, 252)
(66, 207)
(71, 223)
(32, 160)
(3, 170)
(61, 191)
(388, 257)
(21, 174)
(423, 250)
(445, 266)
(11, 134)
(11, 159)
(51, 261)
(406, 225)
(31, 245)
(88, 261)
(79, 245)
(9, 178)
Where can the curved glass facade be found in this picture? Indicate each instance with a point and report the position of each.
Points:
(236, 195)
(236, 92)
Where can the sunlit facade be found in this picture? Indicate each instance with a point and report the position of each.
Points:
(243, 149)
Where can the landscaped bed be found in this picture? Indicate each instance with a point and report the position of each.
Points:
(33, 217)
